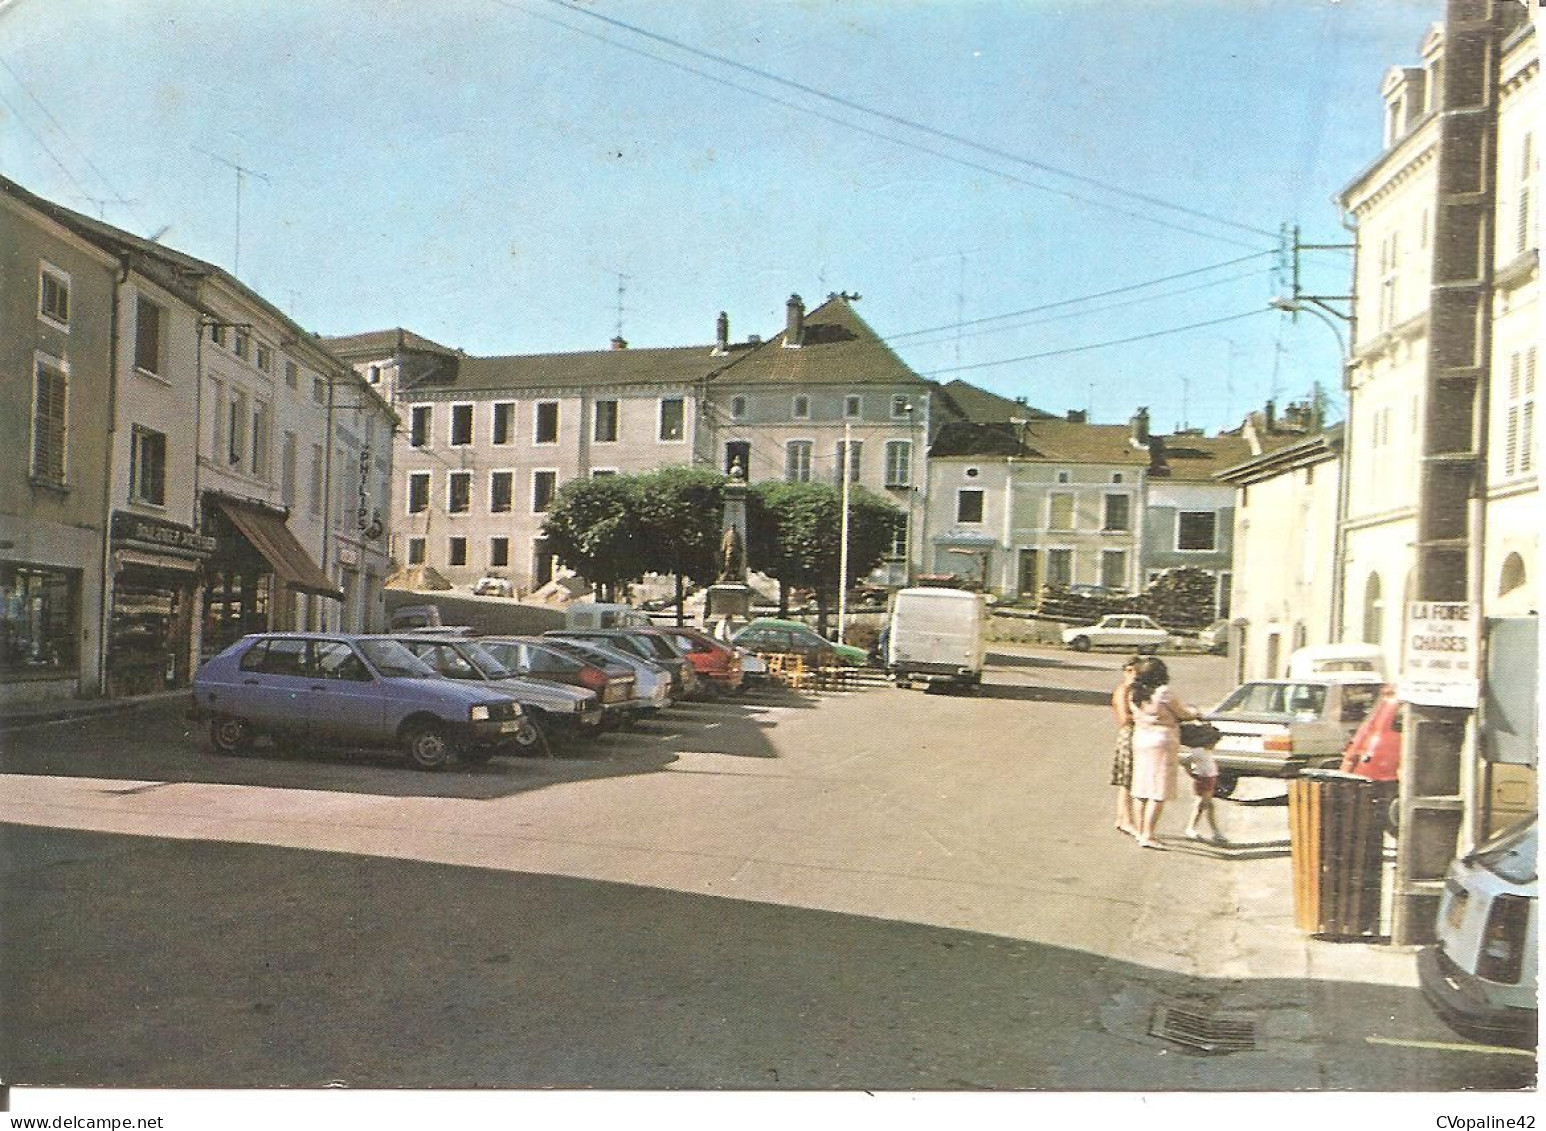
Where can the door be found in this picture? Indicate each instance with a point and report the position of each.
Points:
(346, 701)
(272, 682)
(1028, 574)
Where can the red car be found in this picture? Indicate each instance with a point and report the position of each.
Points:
(1375, 751)
(718, 664)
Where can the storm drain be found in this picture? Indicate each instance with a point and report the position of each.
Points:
(1211, 1033)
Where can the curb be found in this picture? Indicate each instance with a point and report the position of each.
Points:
(17, 716)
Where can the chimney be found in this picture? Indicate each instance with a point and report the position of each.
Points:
(722, 333)
(1272, 416)
(1077, 416)
(1158, 467)
(794, 326)
(619, 343)
(1140, 433)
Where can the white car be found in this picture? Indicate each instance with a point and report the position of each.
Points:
(1480, 976)
(1273, 728)
(1126, 630)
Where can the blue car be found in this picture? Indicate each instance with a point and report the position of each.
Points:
(350, 691)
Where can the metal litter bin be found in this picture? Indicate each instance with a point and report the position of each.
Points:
(1336, 844)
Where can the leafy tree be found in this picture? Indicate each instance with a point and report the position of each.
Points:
(593, 527)
(681, 519)
(794, 536)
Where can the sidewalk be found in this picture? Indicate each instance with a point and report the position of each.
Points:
(14, 716)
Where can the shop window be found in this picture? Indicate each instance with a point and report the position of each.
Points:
(39, 620)
(49, 424)
(147, 467)
(235, 604)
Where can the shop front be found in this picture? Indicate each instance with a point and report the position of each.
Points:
(154, 589)
(252, 580)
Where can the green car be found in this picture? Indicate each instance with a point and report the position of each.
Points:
(769, 635)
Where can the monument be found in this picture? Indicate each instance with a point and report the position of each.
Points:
(730, 598)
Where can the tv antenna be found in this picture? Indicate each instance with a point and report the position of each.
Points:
(242, 172)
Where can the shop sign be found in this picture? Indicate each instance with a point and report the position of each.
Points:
(1443, 643)
(154, 534)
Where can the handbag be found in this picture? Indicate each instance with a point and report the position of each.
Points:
(1201, 736)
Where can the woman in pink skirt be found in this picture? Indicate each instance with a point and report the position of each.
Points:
(1157, 719)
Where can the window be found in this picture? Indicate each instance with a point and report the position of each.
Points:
(461, 425)
(504, 422)
(899, 463)
(1197, 530)
(1113, 569)
(797, 461)
(1116, 477)
(334, 659)
(737, 408)
(1117, 513)
(418, 492)
(316, 479)
(602, 472)
(418, 425)
(415, 551)
(501, 487)
(148, 319)
(1060, 568)
(1519, 429)
(1373, 610)
(543, 485)
(373, 374)
(672, 419)
(319, 390)
(50, 415)
(900, 407)
(498, 552)
(802, 407)
(236, 429)
(54, 296)
(265, 358)
(459, 492)
(547, 422)
(287, 458)
(39, 626)
(1522, 216)
(855, 452)
(456, 552)
(217, 333)
(1390, 255)
(1060, 510)
(604, 422)
(241, 344)
(1062, 477)
(292, 375)
(969, 504)
(147, 467)
(853, 406)
(259, 463)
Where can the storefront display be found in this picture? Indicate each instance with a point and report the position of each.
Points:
(39, 621)
(154, 586)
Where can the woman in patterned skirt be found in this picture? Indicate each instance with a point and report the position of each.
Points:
(1122, 763)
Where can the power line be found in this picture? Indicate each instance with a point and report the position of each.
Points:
(846, 124)
(907, 122)
(1099, 345)
(92, 165)
(45, 147)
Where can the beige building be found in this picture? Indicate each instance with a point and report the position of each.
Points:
(487, 442)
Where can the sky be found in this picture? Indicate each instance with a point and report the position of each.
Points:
(1079, 203)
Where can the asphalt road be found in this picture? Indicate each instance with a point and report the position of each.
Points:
(880, 890)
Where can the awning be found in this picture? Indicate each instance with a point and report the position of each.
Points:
(272, 538)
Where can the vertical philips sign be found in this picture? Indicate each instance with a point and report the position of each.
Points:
(1441, 667)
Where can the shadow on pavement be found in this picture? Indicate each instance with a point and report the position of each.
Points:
(1011, 660)
(1037, 693)
(237, 966)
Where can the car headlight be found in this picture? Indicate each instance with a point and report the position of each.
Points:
(478, 712)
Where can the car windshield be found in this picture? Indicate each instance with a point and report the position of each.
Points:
(1511, 854)
(486, 662)
(1302, 699)
(394, 661)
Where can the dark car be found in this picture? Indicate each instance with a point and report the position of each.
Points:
(353, 691)
(718, 664)
(651, 681)
(538, 659)
(644, 643)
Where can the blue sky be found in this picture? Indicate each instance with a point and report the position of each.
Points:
(488, 172)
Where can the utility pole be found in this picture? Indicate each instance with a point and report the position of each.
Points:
(842, 550)
(241, 172)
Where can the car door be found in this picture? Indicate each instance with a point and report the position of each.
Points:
(347, 701)
(272, 683)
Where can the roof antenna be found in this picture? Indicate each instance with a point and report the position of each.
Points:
(241, 171)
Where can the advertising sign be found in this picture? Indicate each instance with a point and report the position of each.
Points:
(1443, 644)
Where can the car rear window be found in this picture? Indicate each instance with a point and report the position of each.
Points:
(392, 660)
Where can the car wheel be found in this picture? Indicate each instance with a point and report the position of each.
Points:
(427, 747)
(230, 735)
(1080, 644)
(1225, 786)
(531, 739)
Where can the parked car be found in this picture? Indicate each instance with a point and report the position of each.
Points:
(771, 636)
(352, 690)
(406, 617)
(558, 712)
(1375, 750)
(536, 658)
(1276, 727)
(651, 681)
(1322, 659)
(937, 635)
(640, 641)
(1481, 974)
(492, 585)
(717, 663)
(1215, 638)
(1128, 631)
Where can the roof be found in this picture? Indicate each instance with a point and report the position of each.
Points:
(672, 366)
(838, 348)
(1297, 451)
(1188, 456)
(982, 407)
(383, 343)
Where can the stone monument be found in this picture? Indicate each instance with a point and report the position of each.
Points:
(730, 598)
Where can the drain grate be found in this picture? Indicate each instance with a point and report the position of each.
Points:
(1210, 1033)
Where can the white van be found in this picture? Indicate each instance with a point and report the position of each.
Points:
(1332, 659)
(594, 614)
(936, 635)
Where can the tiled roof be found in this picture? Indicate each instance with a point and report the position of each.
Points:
(383, 343)
(674, 366)
(982, 407)
(839, 348)
(1187, 456)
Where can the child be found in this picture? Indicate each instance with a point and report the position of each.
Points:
(1205, 777)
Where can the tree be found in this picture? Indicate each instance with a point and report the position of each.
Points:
(795, 529)
(593, 528)
(681, 516)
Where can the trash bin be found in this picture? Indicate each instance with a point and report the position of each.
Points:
(1336, 844)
